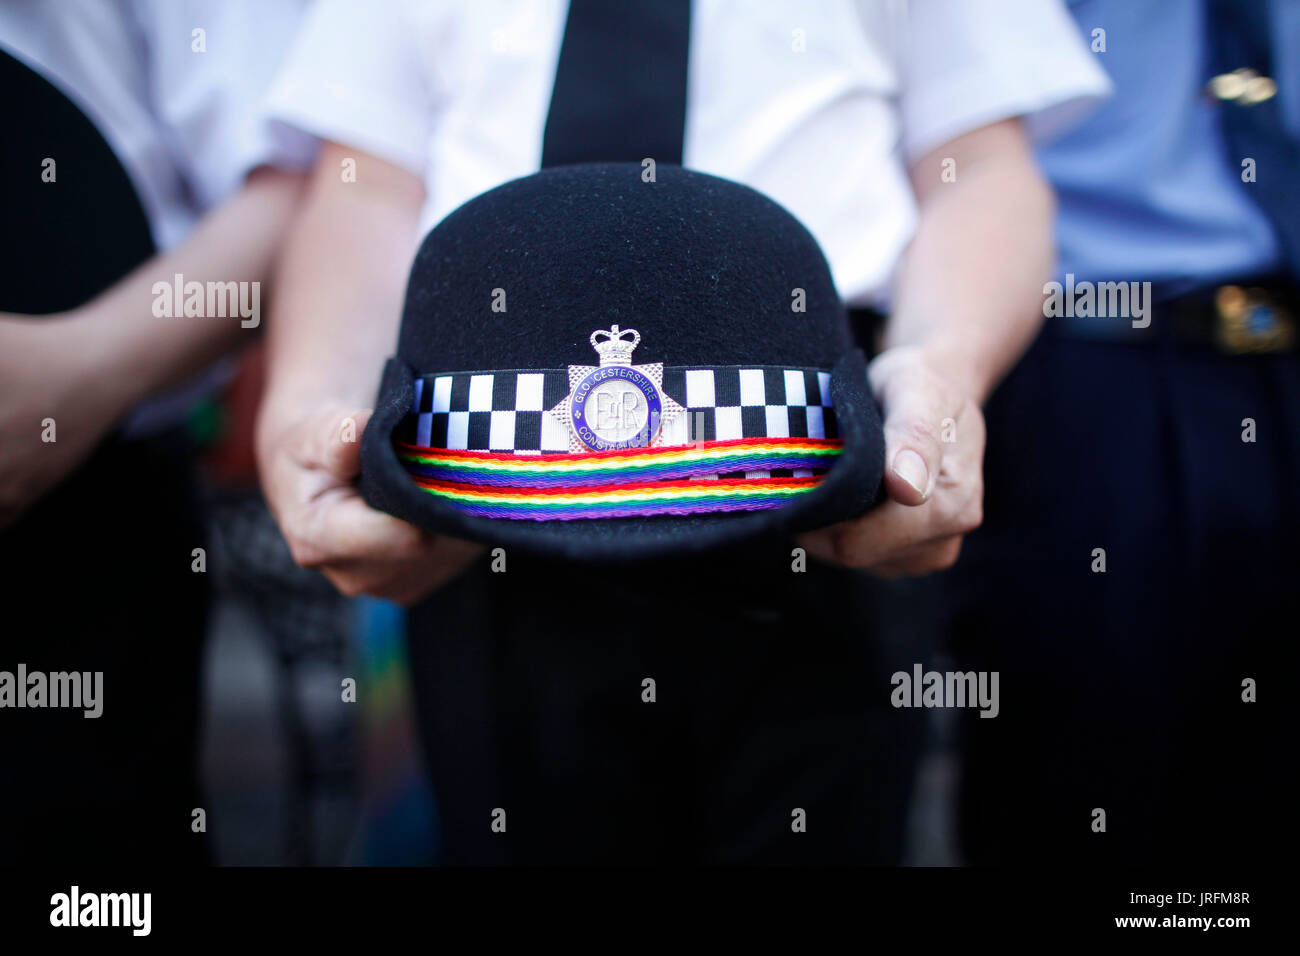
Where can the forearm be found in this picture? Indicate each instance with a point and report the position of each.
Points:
(970, 288)
(341, 282)
(132, 352)
(340, 287)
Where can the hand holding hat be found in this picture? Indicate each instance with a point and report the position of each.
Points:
(934, 443)
(309, 484)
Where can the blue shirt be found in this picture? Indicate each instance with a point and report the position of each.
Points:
(1147, 189)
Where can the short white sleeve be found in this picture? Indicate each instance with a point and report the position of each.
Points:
(966, 65)
(209, 68)
(356, 75)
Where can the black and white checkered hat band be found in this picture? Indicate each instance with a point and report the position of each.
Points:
(506, 410)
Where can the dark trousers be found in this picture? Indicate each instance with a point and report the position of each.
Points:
(771, 696)
(1122, 691)
(96, 577)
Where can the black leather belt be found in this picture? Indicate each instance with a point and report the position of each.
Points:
(1243, 318)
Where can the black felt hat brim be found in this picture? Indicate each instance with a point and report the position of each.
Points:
(849, 489)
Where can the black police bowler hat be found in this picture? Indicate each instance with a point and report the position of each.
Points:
(595, 366)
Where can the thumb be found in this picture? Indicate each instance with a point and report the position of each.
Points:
(914, 412)
(337, 438)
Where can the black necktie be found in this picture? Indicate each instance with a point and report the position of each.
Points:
(1241, 38)
(620, 84)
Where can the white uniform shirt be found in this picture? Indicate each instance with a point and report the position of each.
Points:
(819, 105)
(183, 123)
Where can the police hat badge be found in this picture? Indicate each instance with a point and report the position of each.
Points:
(616, 404)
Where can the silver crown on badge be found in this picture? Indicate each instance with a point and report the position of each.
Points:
(614, 348)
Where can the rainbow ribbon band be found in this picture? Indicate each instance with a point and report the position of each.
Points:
(709, 476)
(618, 467)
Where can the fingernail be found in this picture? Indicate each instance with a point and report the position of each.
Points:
(910, 466)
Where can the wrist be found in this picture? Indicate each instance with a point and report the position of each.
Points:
(961, 367)
(951, 364)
